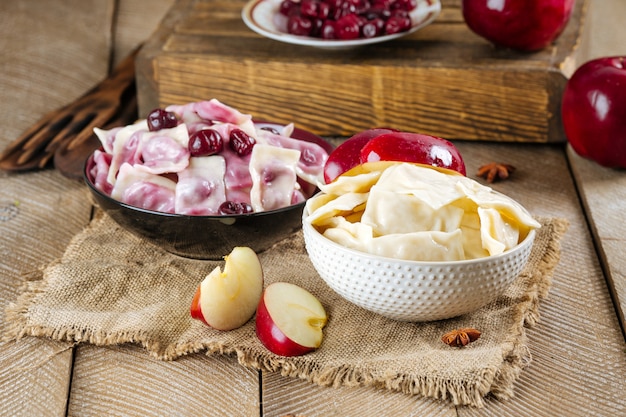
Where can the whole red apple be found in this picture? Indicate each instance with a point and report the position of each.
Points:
(346, 156)
(526, 25)
(413, 147)
(593, 111)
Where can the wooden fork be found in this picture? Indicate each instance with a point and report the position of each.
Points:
(65, 136)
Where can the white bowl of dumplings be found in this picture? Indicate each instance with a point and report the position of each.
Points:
(413, 243)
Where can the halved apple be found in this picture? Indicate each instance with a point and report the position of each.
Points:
(289, 320)
(227, 300)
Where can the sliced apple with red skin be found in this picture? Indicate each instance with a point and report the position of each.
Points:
(346, 156)
(413, 147)
(226, 300)
(289, 320)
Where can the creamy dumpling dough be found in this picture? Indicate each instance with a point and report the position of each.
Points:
(415, 212)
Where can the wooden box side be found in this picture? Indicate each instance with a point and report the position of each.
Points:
(442, 80)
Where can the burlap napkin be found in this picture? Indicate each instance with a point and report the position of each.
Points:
(111, 287)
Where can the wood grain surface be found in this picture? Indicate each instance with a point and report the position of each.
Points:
(578, 348)
(442, 80)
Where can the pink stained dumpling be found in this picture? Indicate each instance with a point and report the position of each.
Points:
(100, 171)
(159, 160)
(144, 190)
(200, 188)
(312, 156)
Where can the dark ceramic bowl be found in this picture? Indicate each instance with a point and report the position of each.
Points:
(206, 237)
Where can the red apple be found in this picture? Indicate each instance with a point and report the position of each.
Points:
(413, 147)
(593, 111)
(227, 300)
(346, 156)
(289, 320)
(526, 25)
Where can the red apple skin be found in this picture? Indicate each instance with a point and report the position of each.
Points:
(346, 156)
(195, 310)
(413, 147)
(273, 338)
(525, 25)
(593, 111)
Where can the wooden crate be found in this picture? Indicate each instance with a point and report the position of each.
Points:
(442, 80)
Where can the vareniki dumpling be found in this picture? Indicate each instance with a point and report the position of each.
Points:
(415, 212)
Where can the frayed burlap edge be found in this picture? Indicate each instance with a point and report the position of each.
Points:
(497, 382)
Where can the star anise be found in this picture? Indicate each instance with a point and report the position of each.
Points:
(495, 171)
(460, 337)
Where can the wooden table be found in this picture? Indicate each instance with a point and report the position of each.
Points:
(54, 50)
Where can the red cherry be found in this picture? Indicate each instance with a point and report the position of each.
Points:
(232, 207)
(160, 119)
(205, 142)
(241, 142)
(347, 27)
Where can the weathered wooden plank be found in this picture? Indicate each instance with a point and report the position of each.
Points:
(577, 347)
(134, 23)
(603, 192)
(126, 381)
(45, 210)
(285, 396)
(47, 61)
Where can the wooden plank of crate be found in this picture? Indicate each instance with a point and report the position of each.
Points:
(43, 67)
(442, 80)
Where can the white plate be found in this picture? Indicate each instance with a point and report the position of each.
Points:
(262, 16)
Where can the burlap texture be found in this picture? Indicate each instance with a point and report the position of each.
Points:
(111, 287)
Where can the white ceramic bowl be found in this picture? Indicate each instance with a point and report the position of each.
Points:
(263, 18)
(411, 290)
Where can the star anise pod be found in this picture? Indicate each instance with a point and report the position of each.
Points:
(460, 337)
(495, 171)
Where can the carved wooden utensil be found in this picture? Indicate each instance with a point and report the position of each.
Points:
(65, 136)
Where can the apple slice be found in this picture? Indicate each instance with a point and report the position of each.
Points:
(346, 156)
(227, 300)
(289, 320)
(413, 147)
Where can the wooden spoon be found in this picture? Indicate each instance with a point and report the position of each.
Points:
(67, 133)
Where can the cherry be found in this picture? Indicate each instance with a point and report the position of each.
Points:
(327, 31)
(288, 7)
(347, 19)
(232, 207)
(299, 25)
(397, 24)
(373, 28)
(160, 119)
(205, 142)
(309, 8)
(241, 142)
(347, 27)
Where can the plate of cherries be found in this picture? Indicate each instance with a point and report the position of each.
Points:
(338, 24)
